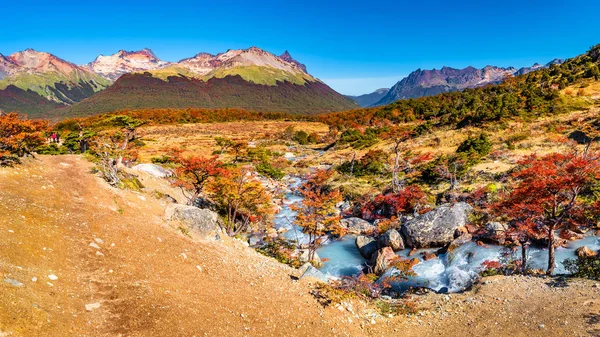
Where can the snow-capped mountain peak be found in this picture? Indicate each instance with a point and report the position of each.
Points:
(123, 62)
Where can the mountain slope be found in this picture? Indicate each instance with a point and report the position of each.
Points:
(48, 76)
(28, 102)
(422, 83)
(133, 91)
(370, 99)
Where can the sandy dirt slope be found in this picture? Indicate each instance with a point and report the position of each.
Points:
(142, 277)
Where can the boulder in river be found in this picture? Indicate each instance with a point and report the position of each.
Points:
(459, 241)
(436, 228)
(202, 221)
(584, 251)
(366, 246)
(391, 239)
(357, 226)
(382, 259)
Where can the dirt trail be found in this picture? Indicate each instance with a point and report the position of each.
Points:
(111, 248)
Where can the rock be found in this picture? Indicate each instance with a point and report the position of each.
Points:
(460, 231)
(381, 260)
(465, 238)
(357, 226)
(303, 256)
(429, 256)
(570, 235)
(92, 306)
(391, 239)
(584, 251)
(496, 228)
(53, 277)
(13, 283)
(281, 230)
(254, 241)
(94, 245)
(366, 246)
(436, 228)
(307, 271)
(203, 221)
(154, 170)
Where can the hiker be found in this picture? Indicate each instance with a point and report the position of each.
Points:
(57, 138)
(53, 137)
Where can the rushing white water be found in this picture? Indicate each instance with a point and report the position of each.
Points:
(453, 271)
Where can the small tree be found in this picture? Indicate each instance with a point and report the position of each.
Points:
(19, 137)
(547, 196)
(243, 199)
(317, 214)
(223, 143)
(399, 138)
(193, 173)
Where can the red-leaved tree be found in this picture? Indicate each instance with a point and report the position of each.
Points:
(546, 195)
(405, 201)
(317, 214)
(192, 174)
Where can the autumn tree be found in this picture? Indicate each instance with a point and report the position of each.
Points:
(19, 137)
(548, 194)
(243, 199)
(192, 174)
(317, 213)
(238, 148)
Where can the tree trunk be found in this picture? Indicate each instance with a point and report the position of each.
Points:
(550, 252)
(524, 247)
(395, 182)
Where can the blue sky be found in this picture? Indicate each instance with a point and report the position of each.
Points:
(354, 46)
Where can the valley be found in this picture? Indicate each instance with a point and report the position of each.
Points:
(234, 193)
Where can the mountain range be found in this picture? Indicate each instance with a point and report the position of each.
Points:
(422, 83)
(251, 78)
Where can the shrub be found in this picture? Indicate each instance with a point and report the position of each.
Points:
(480, 145)
(301, 137)
(281, 250)
(372, 163)
(585, 267)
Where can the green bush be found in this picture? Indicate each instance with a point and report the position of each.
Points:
(301, 137)
(584, 267)
(480, 145)
(372, 163)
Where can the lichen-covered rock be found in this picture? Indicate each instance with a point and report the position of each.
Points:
(357, 226)
(202, 221)
(382, 259)
(391, 239)
(366, 246)
(436, 228)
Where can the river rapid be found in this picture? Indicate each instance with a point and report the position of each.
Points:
(451, 272)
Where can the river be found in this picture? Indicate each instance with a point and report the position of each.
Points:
(453, 271)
